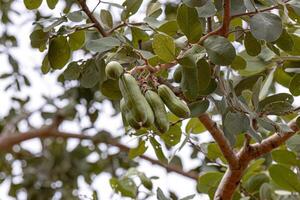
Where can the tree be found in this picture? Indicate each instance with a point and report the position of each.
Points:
(226, 62)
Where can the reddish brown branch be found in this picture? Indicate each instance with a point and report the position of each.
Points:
(272, 142)
(232, 177)
(220, 139)
(7, 142)
(86, 9)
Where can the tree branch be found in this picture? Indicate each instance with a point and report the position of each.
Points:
(7, 142)
(86, 9)
(220, 139)
(232, 177)
(272, 142)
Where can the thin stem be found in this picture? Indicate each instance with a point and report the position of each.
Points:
(92, 17)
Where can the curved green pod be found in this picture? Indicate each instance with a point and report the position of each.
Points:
(133, 97)
(128, 117)
(177, 74)
(159, 110)
(113, 70)
(150, 114)
(176, 106)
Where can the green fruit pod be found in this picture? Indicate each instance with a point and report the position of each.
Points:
(175, 105)
(159, 110)
(113, 70)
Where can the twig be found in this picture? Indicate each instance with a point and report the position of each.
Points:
(7, 142)
(92, 17)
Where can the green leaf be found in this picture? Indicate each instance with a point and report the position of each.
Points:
(125, 186)
(169, 27)
(236, 123)
(214, 152)
(45, 68)
(103, 44)
(294, 143)
(282, 77)
(188, 22)
(294, 86)
(52, 3)
(153, 9)
(160, 195)
(246, 84)
(32, 4)
(285, 41)
(172, 136)
(252, 46)
(239, 63)
(91, 73)
(208, 181)
(77, 40)
(138, 36)
(59, 52)
(204, 74)
(275, 98)
(254, 183)
(266, 192)
(194, 3)
(207, 10)
(72, 72)
(110, 89)
(198, 107)
(39, 39)
(139, 150)
(285, 178)
(220, 50)
(106, 18)
(75, 16)
(278, 108)
(131, 7)
(237, 7)
(285, 157)
(189, 197)
(266, 26)
(164, 47)
(194, 126)
(254, 167)
(158, 150)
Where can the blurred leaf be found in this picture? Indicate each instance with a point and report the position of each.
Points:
(285, 178)
(266, 26)
(59, 52)
(164, 47)
(76, 40)
(32, 4)
(220, 50)
(139, 150)
(208, 181)
(103, 44)
(131, 7)
(158, 150)
(172, 136)
(294, 86)
(72, 72)
(52, 3)
(198, 107)
(110, 89)
(187, 20)
(194, 126)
